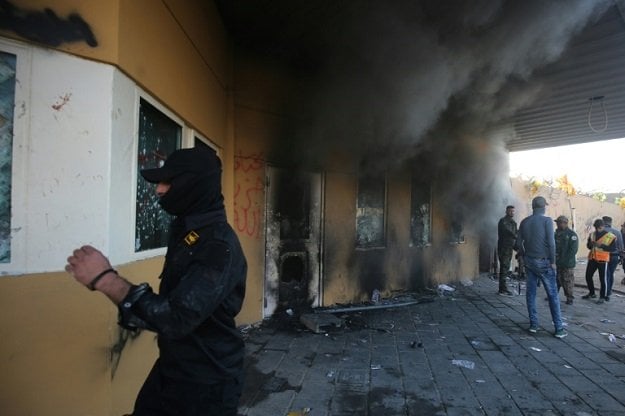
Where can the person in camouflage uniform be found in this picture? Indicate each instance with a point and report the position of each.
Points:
(507, 234)
(567, 244)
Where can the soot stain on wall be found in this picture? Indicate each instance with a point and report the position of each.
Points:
(123, 337)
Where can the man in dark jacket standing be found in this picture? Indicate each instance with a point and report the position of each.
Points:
(567, 244)
(506, 237)
(536, 243)
(200, 366)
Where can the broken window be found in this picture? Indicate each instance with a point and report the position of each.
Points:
(7, 103)
(370, 212)
(456, 231)
(159, 136)
(420, 213)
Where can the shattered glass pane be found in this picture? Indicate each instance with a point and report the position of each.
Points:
(456, 229)
(370, 212)
(7, 104)
(420, 218)
(159, 136)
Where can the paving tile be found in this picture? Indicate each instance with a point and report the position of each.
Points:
(274, 404)
(399, 361)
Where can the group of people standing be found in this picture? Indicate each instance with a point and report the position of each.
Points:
(550, 257)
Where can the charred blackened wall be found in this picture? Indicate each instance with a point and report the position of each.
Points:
(385, 82)
(403, 90)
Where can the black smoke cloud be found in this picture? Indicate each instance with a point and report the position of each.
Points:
(394, 81)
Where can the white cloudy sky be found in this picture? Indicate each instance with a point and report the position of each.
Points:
(591, 167)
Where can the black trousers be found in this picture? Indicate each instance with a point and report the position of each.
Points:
(163, 396)
(602, 267)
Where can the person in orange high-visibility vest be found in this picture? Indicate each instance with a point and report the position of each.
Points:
(600, 243)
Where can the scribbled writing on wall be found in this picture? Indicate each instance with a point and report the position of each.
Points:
(159, 136)
(248, 195)
(45, 26)
(7, 103)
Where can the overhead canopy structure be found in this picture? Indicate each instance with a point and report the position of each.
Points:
(582, 94)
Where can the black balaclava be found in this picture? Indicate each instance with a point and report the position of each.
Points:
(194, 176)
(193, 193)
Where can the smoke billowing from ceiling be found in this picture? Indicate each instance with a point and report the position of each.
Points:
(393, 80)
(404, 78)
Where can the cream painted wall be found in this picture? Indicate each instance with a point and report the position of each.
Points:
(61, 160)
(74, 161)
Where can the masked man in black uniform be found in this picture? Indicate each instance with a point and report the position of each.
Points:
(200, 366)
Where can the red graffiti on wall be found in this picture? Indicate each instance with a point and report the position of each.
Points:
(248, 193)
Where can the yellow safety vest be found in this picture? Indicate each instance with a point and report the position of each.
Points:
(597, 253)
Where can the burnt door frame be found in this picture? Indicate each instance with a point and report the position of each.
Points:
(282, 250)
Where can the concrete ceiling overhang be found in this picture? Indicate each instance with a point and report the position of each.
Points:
(581, 96)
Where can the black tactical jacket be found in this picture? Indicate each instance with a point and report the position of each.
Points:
(201, 291)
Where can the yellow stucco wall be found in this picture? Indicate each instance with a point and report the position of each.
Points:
(259, 110)
(132, 355)
(158, 47)
(57, 350)
(55, 342)
(249, 206)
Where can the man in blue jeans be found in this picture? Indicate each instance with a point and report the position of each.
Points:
(536, 243)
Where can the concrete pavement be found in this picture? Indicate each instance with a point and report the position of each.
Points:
(465, 353)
